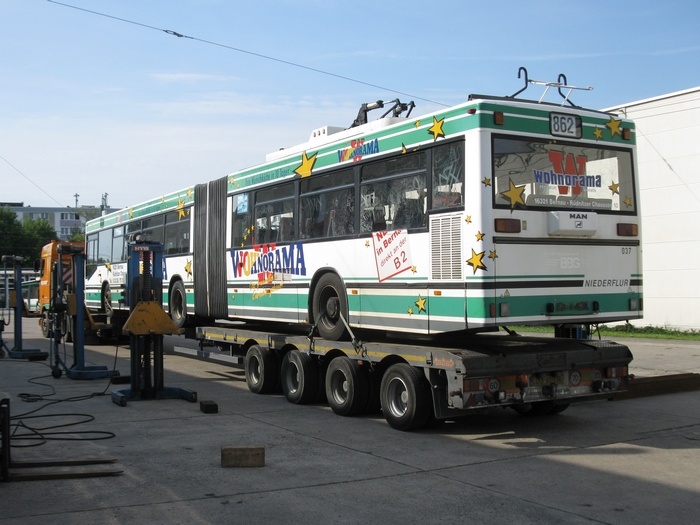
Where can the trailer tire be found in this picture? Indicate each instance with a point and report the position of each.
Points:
(177, 304)
(261, 370)
(328, 302)
(405, 397)
(299, 377)
(347, 386)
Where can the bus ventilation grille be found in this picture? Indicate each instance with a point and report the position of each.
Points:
(446, 247)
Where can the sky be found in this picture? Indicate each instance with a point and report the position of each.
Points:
(138, 98)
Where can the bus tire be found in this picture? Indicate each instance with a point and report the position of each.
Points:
(261, 370)
(347, 386)
(106, 300)
(299, 377)
(177, 304)
(405, 397)
(328, 303)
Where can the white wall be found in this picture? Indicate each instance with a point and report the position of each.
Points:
(668, 141)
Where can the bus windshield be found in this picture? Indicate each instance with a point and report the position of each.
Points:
(530, 173)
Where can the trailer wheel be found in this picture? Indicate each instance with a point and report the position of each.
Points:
(177, 304)
(261, 371)
(405, 397)
(328, 303)
(106, 299)
(299, 377)
(347, 386)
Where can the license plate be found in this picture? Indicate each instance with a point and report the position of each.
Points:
(564, 125)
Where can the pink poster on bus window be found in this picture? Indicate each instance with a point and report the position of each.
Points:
(392, 253)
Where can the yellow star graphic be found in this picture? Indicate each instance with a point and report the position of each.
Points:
(417, 124)
(475, 261)
(493, 255)
(366, 244)
(468, 220)
(403, 149)
(479, 236)
(598, 133)
(306, 166)
(628, 202)
(131, 213)
(514, 194)
(614, 126)
(410, 310)
(180, 208)
(436, 129)
(188, 268)
(108, 266)
(414, 269)
(162, 199)
(615, 188)
(486, 182)
(190, 192)
(420, 303)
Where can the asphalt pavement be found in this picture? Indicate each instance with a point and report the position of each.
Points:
(621, 462)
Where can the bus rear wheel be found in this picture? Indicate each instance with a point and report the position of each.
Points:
(329, 303)
(106, 300)
(347, 386)
(405, 397)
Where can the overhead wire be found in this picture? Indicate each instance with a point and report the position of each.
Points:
(248, 52)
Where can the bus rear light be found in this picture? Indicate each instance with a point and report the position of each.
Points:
(634, 304)
(498, 118)
(504, 309)
(437, 293)
(471, 111)
(627, 229)
(626, 133)
(507, 225)
(492, 309)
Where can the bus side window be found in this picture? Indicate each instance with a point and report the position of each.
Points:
(448, 176)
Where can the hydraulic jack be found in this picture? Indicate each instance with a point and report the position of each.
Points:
(66, 308)
(146, 326)
(17, 352)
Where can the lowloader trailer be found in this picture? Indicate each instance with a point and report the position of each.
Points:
(416, 383)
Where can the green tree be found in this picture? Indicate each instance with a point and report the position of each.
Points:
(37, 233)
(11, 233)
(23, 240)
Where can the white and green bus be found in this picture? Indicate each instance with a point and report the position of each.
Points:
(498, 211)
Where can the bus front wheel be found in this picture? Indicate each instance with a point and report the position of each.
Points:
(328, 304)
(177, 304)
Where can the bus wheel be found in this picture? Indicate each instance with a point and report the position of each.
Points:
(177, 304)
(347, 386)
(405, 397)
(299, 377)
(261, 372)
(45, 325)
(329, 302)
(106, 299)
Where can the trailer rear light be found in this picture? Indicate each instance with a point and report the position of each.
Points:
(498, 118)
(507, 225)
(627, 229)
(620, 371)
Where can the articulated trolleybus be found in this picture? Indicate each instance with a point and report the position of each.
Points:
(498, 211)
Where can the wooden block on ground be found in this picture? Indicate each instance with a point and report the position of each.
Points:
(242, 456)
(208, 407)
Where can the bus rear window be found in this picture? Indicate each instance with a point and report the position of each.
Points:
(528, 174)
